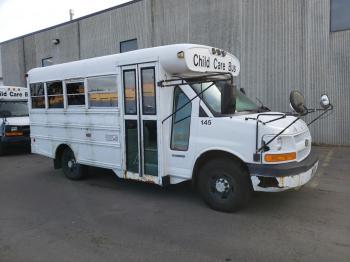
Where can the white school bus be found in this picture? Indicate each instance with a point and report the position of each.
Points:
(14, 118)
(165, 115)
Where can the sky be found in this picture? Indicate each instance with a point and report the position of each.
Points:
(20, 17)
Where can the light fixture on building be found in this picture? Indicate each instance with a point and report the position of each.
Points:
(55, 41)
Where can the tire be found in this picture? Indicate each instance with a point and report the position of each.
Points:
(224, 185)
(71, 169)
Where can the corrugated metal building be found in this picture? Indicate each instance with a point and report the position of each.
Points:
(282, 44)
(1, 80)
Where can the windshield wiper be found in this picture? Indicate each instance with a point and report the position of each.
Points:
(262, 106)
(183, 106)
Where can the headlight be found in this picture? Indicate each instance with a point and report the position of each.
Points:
(282, 143)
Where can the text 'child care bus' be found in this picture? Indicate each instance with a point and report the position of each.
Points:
(14, 119)
(165, 115)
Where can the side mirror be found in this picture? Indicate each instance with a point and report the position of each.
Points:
(325, 102)
(297, 102)
(228, 99)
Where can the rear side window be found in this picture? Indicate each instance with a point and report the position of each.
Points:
(37, 95)
(75, 94)
(103, 91)
(55, 94)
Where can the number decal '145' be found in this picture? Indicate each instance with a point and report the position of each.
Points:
(206, 122)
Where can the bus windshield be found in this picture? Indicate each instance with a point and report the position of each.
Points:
(14, 108)
(212, 97)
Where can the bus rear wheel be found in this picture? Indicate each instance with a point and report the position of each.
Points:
(224, 185)
(70, 167)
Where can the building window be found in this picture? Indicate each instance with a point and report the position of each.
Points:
(103, 91)
(128, 45)
(55, 94)
(37, 94)
(75, 93)
(46, 61)
(340, 18)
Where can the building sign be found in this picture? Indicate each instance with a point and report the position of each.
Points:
(211, 60)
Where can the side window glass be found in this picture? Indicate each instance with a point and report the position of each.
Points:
(37, 95)
(75, 94)
(129, 77)
(103, 91)
(148, 91)
(181, 121)
(55, 94)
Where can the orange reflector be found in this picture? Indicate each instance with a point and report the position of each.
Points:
(280, 157)
(14, 133)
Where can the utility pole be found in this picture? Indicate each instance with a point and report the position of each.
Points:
(71, 14)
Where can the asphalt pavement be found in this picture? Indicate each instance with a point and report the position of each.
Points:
(46, 217)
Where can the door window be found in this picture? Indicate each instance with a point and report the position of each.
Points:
(130, 106)
(181, 123)
(150, 147)
(148, 91)
(132, 153)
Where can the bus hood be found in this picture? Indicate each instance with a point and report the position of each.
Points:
(278, 125)
(16, 121)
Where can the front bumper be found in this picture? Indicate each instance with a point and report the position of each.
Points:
(280, 177)
(14, 141)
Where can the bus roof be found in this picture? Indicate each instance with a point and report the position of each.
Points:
(178, 59)
(13, 93)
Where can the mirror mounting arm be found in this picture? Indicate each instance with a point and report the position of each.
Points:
(325, 111)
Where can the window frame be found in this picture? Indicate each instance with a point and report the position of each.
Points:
(63, 95)
(44, 59)
(136, 96)
(126, 41)
(331, 19)
(172, 122)
(155, 91)
(73, 81)
(44, 95)
(88, 92)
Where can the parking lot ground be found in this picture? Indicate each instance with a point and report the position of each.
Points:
(45, 217)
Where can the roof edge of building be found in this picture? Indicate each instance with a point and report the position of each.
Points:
(72, 21)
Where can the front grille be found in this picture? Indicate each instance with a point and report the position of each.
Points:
(24, 129)
(303, 144)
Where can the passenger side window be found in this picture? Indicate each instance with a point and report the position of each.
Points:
(75, 93)
(103, 91)
(55, 94)
(181, 121)
(37, 94)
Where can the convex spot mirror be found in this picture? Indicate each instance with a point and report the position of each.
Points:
(325, 103)
(297, 102)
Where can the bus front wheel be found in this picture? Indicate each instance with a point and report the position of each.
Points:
(70, 167)
(224, 184)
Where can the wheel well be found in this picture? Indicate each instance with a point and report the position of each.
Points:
(209, 155)
(58, 155)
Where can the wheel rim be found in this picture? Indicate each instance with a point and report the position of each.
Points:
(71, 163)
(221, 187)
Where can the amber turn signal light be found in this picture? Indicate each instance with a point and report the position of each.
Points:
(14, 133)
(280, 157)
